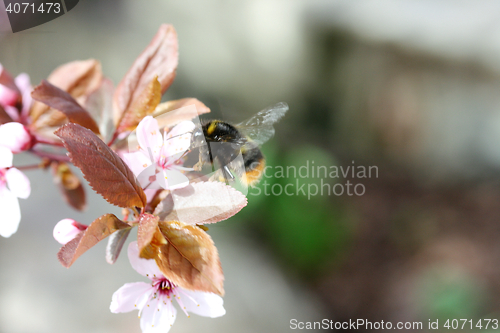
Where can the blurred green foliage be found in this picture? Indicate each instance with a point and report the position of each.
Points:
(450, 293)
(306, 232)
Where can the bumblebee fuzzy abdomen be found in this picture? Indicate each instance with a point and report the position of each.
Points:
(254, 163)
(233, 143)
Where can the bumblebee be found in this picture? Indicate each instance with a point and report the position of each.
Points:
(235, 148)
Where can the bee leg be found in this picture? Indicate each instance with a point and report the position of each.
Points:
(218, 176)
(227, 173)
(198, 166)
(222, 175)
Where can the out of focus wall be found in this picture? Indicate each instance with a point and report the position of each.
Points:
(416, 83)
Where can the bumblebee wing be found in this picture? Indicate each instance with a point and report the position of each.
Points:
(260, 128)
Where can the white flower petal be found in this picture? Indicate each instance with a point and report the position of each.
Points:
(149, 136)
(145, 267)
(130, 297)
(18, 183)
(158, 317)
(14, 136)
(178, 140)
(202, 303)
(6, 157)
(201, 203)
(10, 213)
(175, 179)
(67, 229)
(181, 128)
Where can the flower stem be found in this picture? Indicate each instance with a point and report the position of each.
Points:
(115, 136)
(29, 167)
(47, 142)
(50, 156)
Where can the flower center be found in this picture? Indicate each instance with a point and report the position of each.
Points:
(164, 287)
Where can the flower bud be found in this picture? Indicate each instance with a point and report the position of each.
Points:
(67, 229)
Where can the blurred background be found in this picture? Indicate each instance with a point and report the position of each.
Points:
(410, 88)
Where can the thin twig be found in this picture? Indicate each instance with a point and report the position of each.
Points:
(29, 167)
(50, 156)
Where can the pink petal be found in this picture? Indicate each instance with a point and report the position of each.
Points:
(201, 203)
(67, 229)
(24, 85)
(12, 112)
(178, 140)
(15, 137)
(150, 193)
(157, 317)
(149, 136)
(142, 168)
(6, 157)
(7, 96)
(145, 267)
(137, 161)
(18, 183)
(130, 297)
(10, 214)
(203, 304)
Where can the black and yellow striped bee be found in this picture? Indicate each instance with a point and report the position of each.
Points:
(234, 149)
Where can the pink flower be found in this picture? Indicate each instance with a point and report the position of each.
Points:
(15, 137)
(9, 98)
(19, 187)
(67, 229)
(157, 163)
(24, 85)
(154, 300)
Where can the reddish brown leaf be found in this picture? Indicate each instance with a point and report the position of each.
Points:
(7, 80)
(189, 258)
(115, 244)
(160, 59)
(70, 185)
(104, 170)
(97, 231)
(4, 116)
(78, 78)
(62, 101)
(201, 203)
(99, 105)
(171, 113)
(148, 224)
(141, 107)
(151, 250)
(50, 120)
